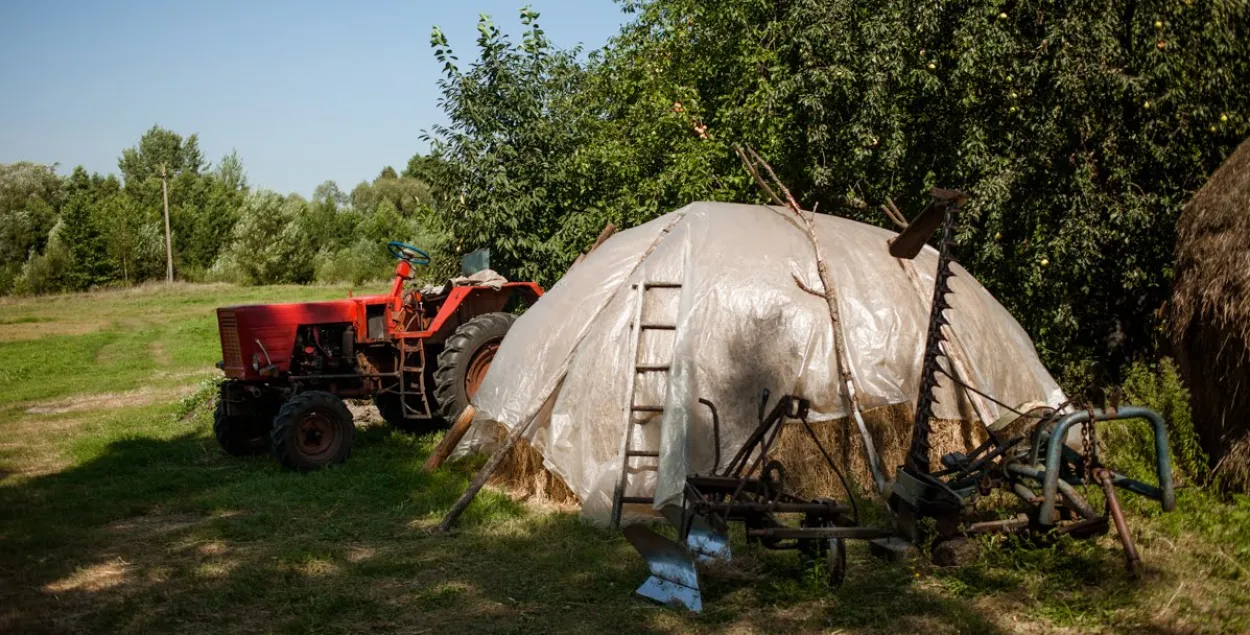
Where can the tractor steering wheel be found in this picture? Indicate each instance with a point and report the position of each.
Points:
(408, 253)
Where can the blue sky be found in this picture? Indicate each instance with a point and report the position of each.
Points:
(305, 91)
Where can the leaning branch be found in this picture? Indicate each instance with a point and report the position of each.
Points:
(758, 179)
(754, 163)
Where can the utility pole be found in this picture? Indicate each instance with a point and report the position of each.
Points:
(169, 245)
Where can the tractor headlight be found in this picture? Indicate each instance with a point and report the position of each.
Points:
(256, 362)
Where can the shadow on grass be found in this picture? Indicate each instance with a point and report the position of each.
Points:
(173, 536)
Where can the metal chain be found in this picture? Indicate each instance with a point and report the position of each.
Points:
(1087, 448)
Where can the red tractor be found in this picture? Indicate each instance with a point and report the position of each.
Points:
(289, 366)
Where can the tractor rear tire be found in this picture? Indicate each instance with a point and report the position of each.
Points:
(393, 413)
(240, 435)
(312, 430)
(465, 359)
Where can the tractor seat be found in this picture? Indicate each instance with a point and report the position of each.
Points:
(483, 278)
(435, 293)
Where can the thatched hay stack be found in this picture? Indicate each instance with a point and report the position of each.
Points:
(1210, 312)
(725, 293)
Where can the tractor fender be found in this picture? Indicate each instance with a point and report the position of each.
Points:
(465, 303)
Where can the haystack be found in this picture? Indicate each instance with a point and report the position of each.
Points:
(748, 317)
(1210, 310)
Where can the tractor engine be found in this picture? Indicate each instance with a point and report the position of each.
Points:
(322, 349)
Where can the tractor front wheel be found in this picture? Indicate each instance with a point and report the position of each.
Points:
(466, 357)
(312, 430)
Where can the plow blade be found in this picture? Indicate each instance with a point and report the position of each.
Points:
(673, 580)
(707, 543)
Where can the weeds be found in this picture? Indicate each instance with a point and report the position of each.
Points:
(204, 397)
(1159, 387)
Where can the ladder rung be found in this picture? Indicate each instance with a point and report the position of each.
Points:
(662, 285)
(643, 453)
(636, 500)
(647, 408)
(658, 327)
(651, 368)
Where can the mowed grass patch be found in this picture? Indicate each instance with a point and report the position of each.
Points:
(52, 367)
(119, 513)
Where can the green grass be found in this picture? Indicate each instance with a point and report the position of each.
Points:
(118, 513)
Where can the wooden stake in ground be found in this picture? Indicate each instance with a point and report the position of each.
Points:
(484, 475)
(450, 440)
(169, 243)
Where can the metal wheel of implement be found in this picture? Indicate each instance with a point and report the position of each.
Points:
(835, 562)
(831, 550)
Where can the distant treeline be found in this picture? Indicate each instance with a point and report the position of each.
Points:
(1079, 129)
(76, 232)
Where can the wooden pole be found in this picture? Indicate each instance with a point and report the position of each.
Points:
(169, 244)
(450, 440)
(604, 235)
(484, 475)
(808, 223)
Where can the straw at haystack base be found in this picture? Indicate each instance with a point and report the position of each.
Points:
(1210, 311)
(523, 474)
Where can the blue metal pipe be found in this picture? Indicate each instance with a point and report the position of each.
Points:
(1073, 498)
(1054, 452)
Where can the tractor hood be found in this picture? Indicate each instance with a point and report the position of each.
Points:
(261, 335)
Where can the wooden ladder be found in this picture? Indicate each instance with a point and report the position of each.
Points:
(628, 453)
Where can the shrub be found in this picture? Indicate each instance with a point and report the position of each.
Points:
(48, 272)
(1130, 446)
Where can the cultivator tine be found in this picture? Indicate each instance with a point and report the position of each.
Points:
(674, 579)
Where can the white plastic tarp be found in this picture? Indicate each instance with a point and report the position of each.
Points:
(744, 323)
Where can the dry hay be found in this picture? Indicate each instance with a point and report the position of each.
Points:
(107, 401)
(1209, 318)
(522, 473)
(1232, 472)
(890, 427)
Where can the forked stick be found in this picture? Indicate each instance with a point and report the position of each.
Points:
(892, 212)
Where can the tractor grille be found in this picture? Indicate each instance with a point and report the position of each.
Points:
(229, 327)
